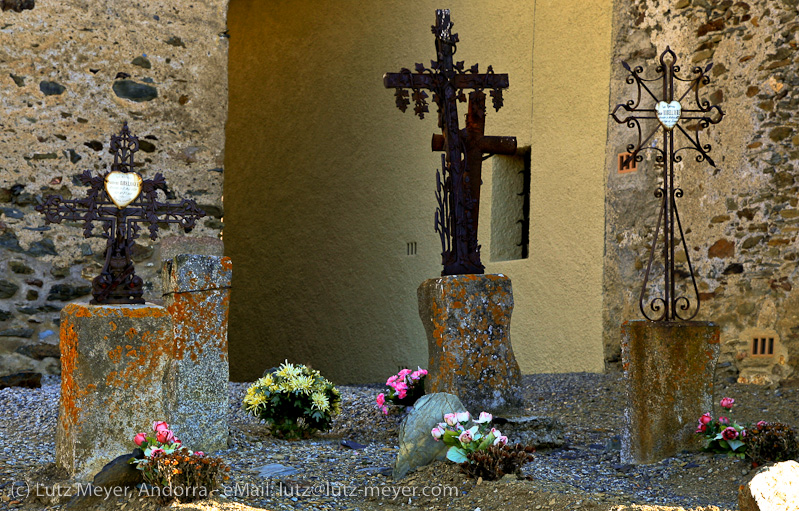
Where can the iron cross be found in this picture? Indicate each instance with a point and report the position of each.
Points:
(121, 200)
(458, 182)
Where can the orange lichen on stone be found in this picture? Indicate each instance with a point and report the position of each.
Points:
(69, 389)
(113, 326)
(196, 320)
(227, 263)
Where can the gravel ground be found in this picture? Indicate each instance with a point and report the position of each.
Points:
(586, 474)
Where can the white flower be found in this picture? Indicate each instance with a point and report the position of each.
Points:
(484, 417)
(462, 417)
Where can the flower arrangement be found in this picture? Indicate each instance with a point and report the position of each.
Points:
(175, 471)
(771, 441)
(294, 400)
(404, 389)
(722, 435)
(463, 441)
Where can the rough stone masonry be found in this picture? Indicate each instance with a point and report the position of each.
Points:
(742, 218)
(73, 71)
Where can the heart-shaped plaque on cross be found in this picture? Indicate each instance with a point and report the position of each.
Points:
(122, 187)
(668, 113)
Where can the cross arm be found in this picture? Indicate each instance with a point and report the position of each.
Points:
(408, 81)
(460, 81)
(489, 144)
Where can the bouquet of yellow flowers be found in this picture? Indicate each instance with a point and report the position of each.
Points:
(294, 400)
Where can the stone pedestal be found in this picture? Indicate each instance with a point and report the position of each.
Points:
(197, 296)
(467, 320)
(114, 360)
(669, 369)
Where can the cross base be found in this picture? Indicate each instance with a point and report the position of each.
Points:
(118, 285)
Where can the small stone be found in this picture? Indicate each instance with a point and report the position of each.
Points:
(31, 295)
(39, 351)
(18, 80)
(733, 269)
(752, 242)
(147, 147)
(42, 247)
(540, 432)
(417, 447)
(29, 380)
(51, 88)
(17, 332)
(138, 92)
(142, 62)
(120, 472)
(19, 267)
(95, 145)
(176, 41)
(721, 249)
(7, 289)
(73, 156)
(752, 91)
(67, 292)
(682, 4)
(780, 133)
(275, 470)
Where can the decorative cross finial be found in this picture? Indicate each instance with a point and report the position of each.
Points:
(120, 200)
(458, 182)
(669, 110)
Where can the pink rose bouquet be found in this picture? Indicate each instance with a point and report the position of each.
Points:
(404, 388)
(722, 435)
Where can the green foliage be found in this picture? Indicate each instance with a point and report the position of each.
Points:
(294, 400)
(497, 460)
(771, 442)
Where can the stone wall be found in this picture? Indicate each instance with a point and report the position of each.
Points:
(741, 219)
(72, 72)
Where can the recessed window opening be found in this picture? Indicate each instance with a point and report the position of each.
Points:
(762, 346)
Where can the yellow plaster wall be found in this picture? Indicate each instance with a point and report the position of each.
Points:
(326, 181)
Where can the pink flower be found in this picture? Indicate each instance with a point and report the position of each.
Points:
(165, 436)
(705, 419)
(451, 419)
(381, 399)
(160, 426)
(155, 451)
(199, 453)
(384, 409)
(403, 373)
(727, 402)
(762, 424)
(139, 439)
(391, 380)
(437, 433)
(729, 433)
(402, 393)
(502, 440)
(465, 437)
(495, 433)
(416, 375)
(484, 417)
(724, 420)
(702, 428)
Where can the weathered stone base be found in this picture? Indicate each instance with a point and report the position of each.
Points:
(467, 320)
(197, 296)
(669, 368)
(114, 362)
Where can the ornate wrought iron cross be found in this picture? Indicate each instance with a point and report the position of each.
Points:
(120, 200)
(669, 112)
(458, 182)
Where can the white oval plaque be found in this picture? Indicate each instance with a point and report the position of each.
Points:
(122, 187)
(668, 113)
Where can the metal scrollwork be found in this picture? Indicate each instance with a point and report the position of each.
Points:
(670, 117)
(118, 282)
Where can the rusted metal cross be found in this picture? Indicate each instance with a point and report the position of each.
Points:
(458, 183)
(121, 200)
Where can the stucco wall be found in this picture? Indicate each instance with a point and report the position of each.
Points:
(740, 219)
(63, 64)
(327, 181)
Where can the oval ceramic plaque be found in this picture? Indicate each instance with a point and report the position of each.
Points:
(668, 113)
(122, 187)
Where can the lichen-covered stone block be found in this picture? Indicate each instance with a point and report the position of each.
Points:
(467, 320)
(669, 369)
(114, 360)
(197, 296)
